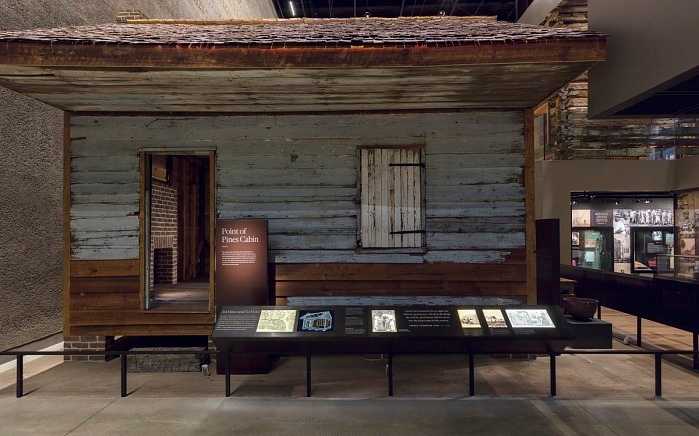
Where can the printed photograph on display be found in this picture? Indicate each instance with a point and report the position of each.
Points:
(277, 321)
(622, 235)
(383, 321)
(657, 235)
(581, 217)
(575, 239)
(529, 318)
(315, 321)
(651, 217)
(494, 318)
(469, 319)
(622, 267)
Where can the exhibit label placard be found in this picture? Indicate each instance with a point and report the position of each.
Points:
(242, 274)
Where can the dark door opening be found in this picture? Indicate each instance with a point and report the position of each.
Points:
(178, 229)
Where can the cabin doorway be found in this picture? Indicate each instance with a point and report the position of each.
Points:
(178, 232)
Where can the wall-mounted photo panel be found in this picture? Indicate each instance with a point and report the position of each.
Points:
(581, 217)
(469, 319)
(277, 321)
(530, 318)
(383, 321)
(494, 318)
(575, 239)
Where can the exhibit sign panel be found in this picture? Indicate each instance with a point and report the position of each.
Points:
(242, 276)
(529, 318)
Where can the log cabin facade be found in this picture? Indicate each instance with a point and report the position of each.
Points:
(389, 156)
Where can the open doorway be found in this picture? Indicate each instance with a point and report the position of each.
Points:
(178, 229)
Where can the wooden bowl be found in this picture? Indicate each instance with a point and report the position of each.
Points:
(581, 309)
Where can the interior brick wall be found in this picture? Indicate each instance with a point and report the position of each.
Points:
(163, 233)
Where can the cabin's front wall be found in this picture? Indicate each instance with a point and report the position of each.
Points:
(300, 172)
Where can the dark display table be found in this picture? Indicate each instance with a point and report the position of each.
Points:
(395, 330)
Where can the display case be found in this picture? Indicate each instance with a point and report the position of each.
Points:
(647, 245)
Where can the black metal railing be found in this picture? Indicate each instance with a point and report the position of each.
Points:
(470, 358)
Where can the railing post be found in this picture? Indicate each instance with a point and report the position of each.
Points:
(658, 375)
(639, 342)
(471, 375)
(552, 371)
(227, 364)
(20, 375)
(308, 372)
(124, 370)
(695, 349)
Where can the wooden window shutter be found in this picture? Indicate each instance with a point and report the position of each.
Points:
(391, 191)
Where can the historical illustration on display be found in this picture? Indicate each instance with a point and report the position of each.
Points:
(383, 321)
(315, 321)
(581, 217)
(469, 319)
(529, 318)
(494, 318)
(622, 267)
(622, 235)
(575, 239)
(277, 321)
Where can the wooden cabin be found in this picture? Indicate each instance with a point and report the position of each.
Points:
(389, 156)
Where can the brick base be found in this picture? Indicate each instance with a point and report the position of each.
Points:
(84, 343)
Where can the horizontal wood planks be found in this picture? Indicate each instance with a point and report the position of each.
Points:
(490, 86)
(300, 172)
(438, 279)
(104, 300)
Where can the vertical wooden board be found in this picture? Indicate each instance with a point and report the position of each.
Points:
(530, 207)
(371, 200)
(395, 199)
(410, 182)
(363, 188)
(385, 213)
(66, 221)
(419, 188)
(403, 196)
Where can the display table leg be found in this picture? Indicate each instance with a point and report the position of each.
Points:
(308, 373)
(639, 342)
(390, 374)
(695, 348)
(227, 363)
(552, 368)
(471, 376)
(124, 372)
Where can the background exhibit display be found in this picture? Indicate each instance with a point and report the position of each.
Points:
(529, 318)
(383, 321)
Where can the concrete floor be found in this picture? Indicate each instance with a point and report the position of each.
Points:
(598, 395)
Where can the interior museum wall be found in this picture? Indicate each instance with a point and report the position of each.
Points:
(31, 164)
(555, 180)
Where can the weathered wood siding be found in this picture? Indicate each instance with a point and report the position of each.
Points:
(300, 172)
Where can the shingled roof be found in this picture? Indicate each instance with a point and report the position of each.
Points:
(310, 33)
